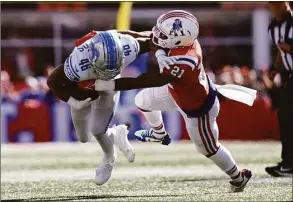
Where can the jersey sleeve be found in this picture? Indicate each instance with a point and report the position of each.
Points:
(70, 69)
(182, 65)
(85, 38)
(77, 65)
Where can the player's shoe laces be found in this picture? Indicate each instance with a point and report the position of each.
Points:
(147, 136)
(239, 186)
(104, 170)
(121, 141)
(279, 171)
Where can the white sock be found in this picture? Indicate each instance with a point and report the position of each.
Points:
(106, 143)
(155, 120)
(224, 160)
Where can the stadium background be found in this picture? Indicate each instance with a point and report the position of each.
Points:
(36, 37)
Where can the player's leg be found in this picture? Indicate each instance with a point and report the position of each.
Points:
(102, 112)
(151, 102)
(204, 133)
(80, 119)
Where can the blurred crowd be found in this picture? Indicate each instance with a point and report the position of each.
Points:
(31, 90)
(35, 87)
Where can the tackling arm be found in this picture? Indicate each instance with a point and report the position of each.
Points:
(134, 34)
(145, 80)
(143, 39)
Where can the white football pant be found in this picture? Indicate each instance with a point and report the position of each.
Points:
(203, 131)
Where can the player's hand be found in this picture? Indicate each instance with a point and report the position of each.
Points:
(165, 61)
(79, 104)
(285, 47)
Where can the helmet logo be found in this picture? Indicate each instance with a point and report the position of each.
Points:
(177, 27)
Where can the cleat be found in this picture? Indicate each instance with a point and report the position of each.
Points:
(104, 170)
(121, 141)
(147, 136)
(239, 186)
(279, 171)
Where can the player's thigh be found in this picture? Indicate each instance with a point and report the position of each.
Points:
(80, 119)
(204, 131)
(157, 98)
(80, 114)
(102, 111)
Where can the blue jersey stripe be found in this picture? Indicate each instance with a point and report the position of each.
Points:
(187, 60)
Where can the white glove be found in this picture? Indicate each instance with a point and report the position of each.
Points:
(79, 104)
(163, 60)
(101, 85)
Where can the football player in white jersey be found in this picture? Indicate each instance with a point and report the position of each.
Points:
(98, 55)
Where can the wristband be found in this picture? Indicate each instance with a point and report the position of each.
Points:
(101, 85)
(160, 52)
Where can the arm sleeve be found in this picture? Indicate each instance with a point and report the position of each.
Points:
(85, 38)
(70, 70)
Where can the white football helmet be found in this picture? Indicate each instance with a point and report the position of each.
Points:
(175, 29)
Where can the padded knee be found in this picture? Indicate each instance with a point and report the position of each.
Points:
(83, 139)
(139, 100)
(98, 129)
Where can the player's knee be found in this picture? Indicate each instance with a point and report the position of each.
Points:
(206, 150)
(98, 130)
(140, 102)
(83, 140)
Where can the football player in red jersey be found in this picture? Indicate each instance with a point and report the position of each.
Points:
(183, 86)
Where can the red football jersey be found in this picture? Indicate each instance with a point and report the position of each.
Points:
(191, 88)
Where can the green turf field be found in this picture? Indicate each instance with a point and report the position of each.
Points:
(65, 172)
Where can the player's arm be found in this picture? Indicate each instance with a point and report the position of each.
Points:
(134, 34)
(63, 88)
(146, 80)
(144, 45)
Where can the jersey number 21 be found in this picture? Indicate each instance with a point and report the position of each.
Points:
(176, 71)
